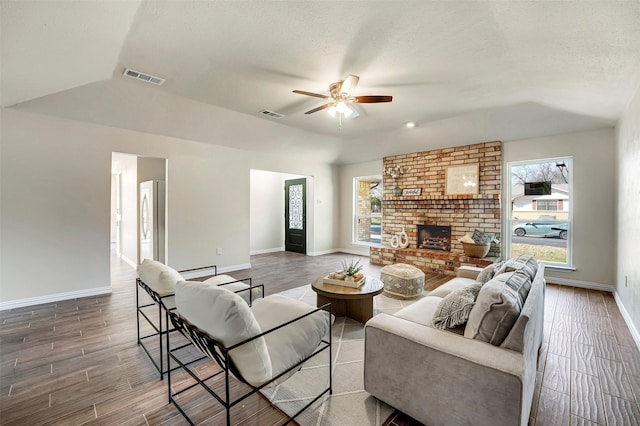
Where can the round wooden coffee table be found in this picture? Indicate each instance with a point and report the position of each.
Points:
(355, 303)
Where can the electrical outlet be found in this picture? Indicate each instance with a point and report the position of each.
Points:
(219, 250)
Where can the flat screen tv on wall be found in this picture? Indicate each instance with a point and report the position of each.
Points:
(537, 188)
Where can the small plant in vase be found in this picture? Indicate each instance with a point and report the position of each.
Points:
(352, 270)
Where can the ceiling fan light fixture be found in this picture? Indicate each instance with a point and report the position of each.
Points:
(340, 101)
(342, 108)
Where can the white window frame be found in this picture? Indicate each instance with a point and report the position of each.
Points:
(356, 216)
(568, 160)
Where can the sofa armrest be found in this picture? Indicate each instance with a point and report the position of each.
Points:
(419, 370)
(470, 272)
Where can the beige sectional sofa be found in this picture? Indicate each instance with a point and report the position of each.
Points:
(479, 373)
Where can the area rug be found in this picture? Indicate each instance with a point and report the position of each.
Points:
(349, 404)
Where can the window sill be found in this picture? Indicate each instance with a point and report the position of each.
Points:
(363, 244)
(561, 268)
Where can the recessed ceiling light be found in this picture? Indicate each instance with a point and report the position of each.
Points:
(410, 124)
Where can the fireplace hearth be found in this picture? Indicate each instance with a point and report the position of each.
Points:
(434, 237)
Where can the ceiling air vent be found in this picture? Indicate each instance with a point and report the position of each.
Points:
(142, 76)
(271, 114)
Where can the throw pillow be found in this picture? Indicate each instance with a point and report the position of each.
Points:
(478, 236)
(454, 308)
(525, 262)
(488, 272)
(481, 237)
(497, 307)
(159, 277)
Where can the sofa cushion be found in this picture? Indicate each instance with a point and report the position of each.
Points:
(420, 312)
(227, 318)
(497, 307)
(524, 262)
(159, 277)
(454, 308)
(451, 285)
(294, 342)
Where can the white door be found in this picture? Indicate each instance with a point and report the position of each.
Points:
(118, 185)
(152, 220)
(147, 243)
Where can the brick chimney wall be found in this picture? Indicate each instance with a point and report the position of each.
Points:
(464, 213)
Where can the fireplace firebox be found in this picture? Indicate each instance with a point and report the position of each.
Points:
(434, 237)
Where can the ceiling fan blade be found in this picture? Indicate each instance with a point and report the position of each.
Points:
(320, 108)
(373, 99)
(317, 95)
(349, 84)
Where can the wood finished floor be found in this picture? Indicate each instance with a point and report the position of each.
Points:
(77, 362)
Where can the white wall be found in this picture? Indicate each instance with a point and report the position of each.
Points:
(55, 199)
(593, 228)
(347, 173)
(627, 279)
(267, 211)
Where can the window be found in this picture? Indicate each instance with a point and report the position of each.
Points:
(540, 221)
(547, 205)
(367, 210)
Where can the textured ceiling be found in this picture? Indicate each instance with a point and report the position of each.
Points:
(464, 71)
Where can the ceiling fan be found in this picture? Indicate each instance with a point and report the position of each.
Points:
(341, 101)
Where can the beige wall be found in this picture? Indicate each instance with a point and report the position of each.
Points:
(593, 225)
(627, 279)
(55, 180)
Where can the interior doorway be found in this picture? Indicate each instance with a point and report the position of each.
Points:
(267, 211)
(128, 171)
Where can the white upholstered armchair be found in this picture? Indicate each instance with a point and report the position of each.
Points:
(260, 345)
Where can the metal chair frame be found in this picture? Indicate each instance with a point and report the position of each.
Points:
(216, 351)
(161, 328)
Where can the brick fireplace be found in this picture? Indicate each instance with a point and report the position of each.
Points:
(433, 237)
(425, 172)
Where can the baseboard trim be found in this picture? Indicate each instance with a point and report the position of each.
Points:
(581, 284)
(357, 252)
(21, 303)
(264, 251)
(627, 318)
(320, 253)
(210, 271)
